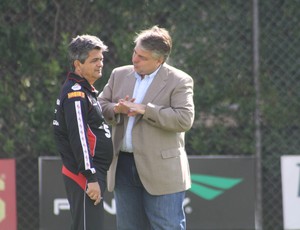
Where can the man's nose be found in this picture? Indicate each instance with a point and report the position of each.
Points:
(135, 59)
(100, 63)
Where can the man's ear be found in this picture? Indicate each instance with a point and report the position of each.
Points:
(160, 60)
(77, 63)
(77, 67)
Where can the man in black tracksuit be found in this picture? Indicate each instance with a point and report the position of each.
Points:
(82, 137)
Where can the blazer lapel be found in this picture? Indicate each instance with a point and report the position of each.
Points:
(158, 83)
(129, 84)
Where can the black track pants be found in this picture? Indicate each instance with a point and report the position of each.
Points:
(85, 215)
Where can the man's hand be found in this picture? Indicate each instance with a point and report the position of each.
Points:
(132, 108)
(94, 192)
(121, 108)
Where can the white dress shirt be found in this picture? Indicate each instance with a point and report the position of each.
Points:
(140, 89)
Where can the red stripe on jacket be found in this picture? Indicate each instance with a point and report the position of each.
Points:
(79, 178)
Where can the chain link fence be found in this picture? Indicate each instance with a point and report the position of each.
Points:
(213, 42)
(280, 96)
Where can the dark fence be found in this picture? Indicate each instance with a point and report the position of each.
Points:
(243, 56)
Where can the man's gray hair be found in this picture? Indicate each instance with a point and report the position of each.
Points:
(80, 47)
(157, 40)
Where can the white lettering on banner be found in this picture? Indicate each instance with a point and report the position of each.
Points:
(2, 203)
(290, 175)
(187, 209)
(110, 209)
(62, 204)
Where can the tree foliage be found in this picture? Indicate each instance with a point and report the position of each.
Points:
(212, 42)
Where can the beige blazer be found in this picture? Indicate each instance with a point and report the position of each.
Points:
(158, 135)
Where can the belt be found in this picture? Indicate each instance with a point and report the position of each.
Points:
(126, 153)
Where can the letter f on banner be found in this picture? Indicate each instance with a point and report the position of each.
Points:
(60, 204)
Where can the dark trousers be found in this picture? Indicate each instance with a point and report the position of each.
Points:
(85, 215)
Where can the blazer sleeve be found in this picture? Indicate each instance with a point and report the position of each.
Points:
(173, 109)
(105, 99)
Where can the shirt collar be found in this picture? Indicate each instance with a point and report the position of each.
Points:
(152, 75)
(83, 82)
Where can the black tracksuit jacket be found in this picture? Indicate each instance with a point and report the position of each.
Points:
(82, 137)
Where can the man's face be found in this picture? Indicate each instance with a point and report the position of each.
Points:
(144, 62)
(91, 69)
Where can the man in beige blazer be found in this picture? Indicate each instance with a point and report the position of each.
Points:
(150, 107)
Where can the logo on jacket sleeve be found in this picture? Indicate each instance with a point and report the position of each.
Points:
(76, 94)
(76, 87)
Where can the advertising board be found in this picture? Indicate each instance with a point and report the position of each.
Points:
(222, 196)
(8, 214)
(290, 174)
